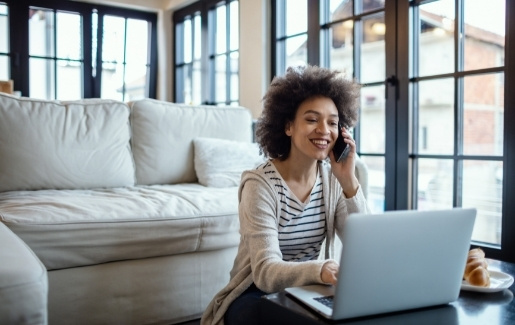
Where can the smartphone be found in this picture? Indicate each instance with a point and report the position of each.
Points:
(341, 148)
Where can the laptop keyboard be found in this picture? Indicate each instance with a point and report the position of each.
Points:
(327, 301)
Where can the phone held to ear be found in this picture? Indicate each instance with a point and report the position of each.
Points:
(341, 148)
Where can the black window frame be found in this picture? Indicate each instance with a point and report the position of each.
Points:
(204, 9)
(19, 43)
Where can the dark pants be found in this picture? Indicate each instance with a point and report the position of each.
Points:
(245, 309)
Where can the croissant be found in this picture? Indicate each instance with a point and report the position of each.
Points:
(476, 270)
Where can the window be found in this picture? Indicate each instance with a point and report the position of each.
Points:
(433, 74)
(291, 33)
(79, 50)
(207, 53)
(4, 42)
(56, 63)
(457, 98)
(125, 63)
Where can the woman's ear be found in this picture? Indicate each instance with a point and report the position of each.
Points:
(287, 129)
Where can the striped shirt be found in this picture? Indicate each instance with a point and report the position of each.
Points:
(302, 226)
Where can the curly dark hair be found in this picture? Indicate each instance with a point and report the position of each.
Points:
(283, 98)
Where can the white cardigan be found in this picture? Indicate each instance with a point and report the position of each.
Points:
(259, 257)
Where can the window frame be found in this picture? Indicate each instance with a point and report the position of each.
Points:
(19, 45)
(207, 11)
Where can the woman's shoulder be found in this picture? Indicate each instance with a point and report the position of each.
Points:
(264, 170)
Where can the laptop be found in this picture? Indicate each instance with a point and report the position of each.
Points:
(395, 261)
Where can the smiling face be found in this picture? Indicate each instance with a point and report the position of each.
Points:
(314, 130)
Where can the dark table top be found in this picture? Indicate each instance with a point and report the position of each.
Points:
(471, 308)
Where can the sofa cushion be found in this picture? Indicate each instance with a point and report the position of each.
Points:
(64, 145)
(68, 228)
(163, 133)
(23, 282)
(220, 162)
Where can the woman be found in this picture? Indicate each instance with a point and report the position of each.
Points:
(292, 203)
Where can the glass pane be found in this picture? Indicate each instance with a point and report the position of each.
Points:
(482, 189)
(376, 178)
(69, 80)
(135, 82)
(41, 78)
(435, 184)
(296, 51)
(4, 68)
(184, 84)
(436, 41)
(235, 85)
(220, 78)
(187, 41)
(112, 81)
(69, 40)
(196, 97)
(113, 42)
(341, 49)
(41, 32)
(373, 49)
(221, 31)
(483, 118)
(234, 23)
(372, 120)
(235, 88)
(436, 116)
(339, 9)
(484, 34)
(137, 42)
(4, 29)
(94, 44)
(197, 39)
(373, 5)
(296, 16)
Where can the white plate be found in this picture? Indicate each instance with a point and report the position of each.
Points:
(498, 282)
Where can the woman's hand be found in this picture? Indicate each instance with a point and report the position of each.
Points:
(329, 273)
(344, 170)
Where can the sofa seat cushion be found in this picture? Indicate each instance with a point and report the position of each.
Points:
(69, 228)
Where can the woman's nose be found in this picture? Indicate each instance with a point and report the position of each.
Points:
(323, 128)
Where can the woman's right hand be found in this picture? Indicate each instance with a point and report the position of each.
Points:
(329, 273)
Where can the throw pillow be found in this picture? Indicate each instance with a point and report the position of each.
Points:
(220, 162)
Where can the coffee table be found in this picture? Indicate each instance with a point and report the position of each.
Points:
(471, 308)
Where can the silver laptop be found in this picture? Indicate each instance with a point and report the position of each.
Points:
(394, 261)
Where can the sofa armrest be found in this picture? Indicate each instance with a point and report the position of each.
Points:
(23, 282)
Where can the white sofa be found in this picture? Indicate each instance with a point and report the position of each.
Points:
(115, 213)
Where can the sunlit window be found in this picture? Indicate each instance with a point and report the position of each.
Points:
(459, 105)
(55, 54)
(291, 34)
(125, 61)
(432, 119)
(72, 50)
(207, 64)
(4, 42)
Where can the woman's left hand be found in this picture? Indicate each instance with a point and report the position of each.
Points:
(345, 169)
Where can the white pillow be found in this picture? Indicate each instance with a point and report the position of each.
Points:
(219, 162)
